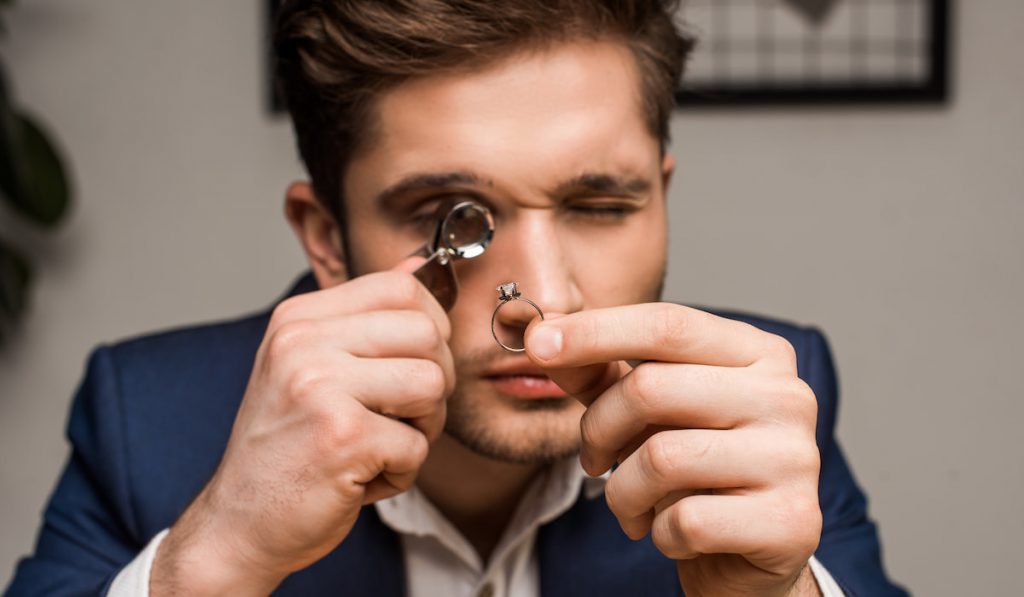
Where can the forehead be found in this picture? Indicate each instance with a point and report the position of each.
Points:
(528, 119)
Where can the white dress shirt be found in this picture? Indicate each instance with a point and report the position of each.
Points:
(440, 561)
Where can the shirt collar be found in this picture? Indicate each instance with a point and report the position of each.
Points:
(550, 495)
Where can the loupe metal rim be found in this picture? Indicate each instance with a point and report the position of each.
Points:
(473, 249)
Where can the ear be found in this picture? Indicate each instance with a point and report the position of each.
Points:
(319, 233)
(668, 167)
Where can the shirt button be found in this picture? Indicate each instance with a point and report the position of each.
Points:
(486, 591)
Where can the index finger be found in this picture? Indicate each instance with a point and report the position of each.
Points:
(394, 289)
(645, 332)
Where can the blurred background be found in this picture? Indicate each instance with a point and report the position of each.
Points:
(899, 230)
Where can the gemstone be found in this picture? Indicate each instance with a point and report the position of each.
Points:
(508, 291)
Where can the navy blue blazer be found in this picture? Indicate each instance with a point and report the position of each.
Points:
(152, 418)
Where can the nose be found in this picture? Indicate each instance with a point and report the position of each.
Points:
(533, 255)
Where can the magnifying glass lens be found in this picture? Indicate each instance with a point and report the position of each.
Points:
(468, 229)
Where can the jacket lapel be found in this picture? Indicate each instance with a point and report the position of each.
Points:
(584, 552)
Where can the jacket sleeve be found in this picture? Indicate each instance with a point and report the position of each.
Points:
(88, 531)
(849, 548)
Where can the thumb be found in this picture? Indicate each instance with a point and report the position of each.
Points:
(584, 383)
(410, 264)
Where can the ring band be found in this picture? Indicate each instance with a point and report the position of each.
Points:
(506, 294)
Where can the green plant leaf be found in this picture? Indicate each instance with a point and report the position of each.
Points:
(31, 174)
(15, 278)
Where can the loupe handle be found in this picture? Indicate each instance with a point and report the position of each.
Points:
(438, 276)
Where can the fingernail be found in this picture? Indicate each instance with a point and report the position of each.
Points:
(585, 460)
(546, 342)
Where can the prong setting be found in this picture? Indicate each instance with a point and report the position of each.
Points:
(508, 291)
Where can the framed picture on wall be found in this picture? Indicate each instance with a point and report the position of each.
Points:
(777, 52)
(754, 52)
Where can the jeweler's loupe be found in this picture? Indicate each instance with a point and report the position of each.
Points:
(464, 230)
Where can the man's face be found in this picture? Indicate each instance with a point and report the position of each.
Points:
(553, 142)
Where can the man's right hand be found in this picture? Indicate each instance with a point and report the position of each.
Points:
(347, 390)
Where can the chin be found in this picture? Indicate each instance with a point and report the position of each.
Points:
(535, 431)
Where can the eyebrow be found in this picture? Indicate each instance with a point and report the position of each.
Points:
(604, 184)
(429, 180)
(589, 182)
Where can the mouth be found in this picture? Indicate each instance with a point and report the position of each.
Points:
(524, 381)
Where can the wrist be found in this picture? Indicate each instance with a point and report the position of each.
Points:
(806, 584)
(194, 560)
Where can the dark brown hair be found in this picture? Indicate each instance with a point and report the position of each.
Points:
(333, 57)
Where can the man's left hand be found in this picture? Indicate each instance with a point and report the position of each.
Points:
(713, 433)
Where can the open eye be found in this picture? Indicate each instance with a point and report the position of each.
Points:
(424, 213)
(424, 216)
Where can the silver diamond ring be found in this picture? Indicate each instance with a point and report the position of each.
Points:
(506, 294)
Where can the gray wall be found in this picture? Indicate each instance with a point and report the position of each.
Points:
(898, 231)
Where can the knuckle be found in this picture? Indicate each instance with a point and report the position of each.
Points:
(288, 337)
(689, 525)
(423, 329)
(336, 430)
(803, 517)
(433, 430)
(780, 348)
(430, 380)
(613, 496)
(796, 456)
(644, 388)
(806, 508)
(588, 429)
(659, 456)
(431, 334)
(797, 399)
(772, 453)
(445, 328)
(304, 384)
(808, 460)
(418, 447)
(804, 398)
(344, 431)
(666, 540)
(284, 311)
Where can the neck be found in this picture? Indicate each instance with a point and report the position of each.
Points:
(477, 494)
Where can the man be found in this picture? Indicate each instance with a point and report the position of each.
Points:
(361, 440)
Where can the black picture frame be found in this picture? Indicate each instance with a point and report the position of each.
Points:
(934, 88)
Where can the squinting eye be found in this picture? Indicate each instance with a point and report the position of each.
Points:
(602, 212)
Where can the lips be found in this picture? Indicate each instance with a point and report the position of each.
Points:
(523, 380)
